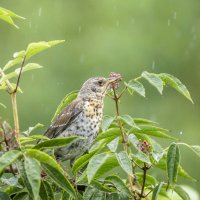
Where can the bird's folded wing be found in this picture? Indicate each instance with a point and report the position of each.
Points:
(64, 119)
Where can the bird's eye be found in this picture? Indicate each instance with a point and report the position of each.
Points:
(100, 82)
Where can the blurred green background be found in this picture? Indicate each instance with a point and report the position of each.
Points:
(126, 37)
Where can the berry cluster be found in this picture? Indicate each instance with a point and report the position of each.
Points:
(144, 146)
(115, 84)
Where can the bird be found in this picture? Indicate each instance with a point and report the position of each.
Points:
(82, 117)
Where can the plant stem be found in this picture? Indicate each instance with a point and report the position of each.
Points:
(124, 137)
(144, 180)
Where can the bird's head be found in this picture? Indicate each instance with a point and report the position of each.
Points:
(96, 87)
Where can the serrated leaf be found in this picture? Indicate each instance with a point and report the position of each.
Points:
(56, 142)
(32, 170)
(154, 80)
(127, 119)
(110, 133)
(18, 58)
(107, 121)
(28, 67)
(43, 157)
(182, 193)
(65, 102)
(124, 162)
(156, 191)
(60, 179)
(136, 86)
(100, 164)
(176, 84)
(8, 158)
(36, 47)
(142, 157)
(173, 160)
(113, 144)
(82, 161)
(123, 190)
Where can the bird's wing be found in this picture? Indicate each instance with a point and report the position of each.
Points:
(64, 119)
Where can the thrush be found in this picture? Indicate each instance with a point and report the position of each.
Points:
(82, 117)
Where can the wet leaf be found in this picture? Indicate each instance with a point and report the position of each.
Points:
(136, 86)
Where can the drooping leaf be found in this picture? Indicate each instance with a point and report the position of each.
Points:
(176, 84)
(124, 162)
(28, 67)
(56, 142)
(17, 58)
(32, 170)
(123, 190)
(110, 133)
(82, 161)
(36, 47)
(154, 80)
(182, 193)
(60, 179)
(65, 102)
(194, 148)
(127, 119)
(113, 144)
(100, 164)
(156, 191)
(143, 121)
(173, 160)
(7, 16)
(44, 158)
(8, 158)
(107, 121)
(136, 86)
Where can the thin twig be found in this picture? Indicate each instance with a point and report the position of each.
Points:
(144, 180)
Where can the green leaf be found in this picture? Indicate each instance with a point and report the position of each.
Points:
(56, 142)
(194, 148)
(33, 169)
(28, 67)
(156, 191)
(113, 144)
(82, 161)
(36, 47)
(127, 119)
(44, 158)
(110, 133)
(154, 80)
(150, 180)
(136, 86)
(31, 129)
(21, 196)
(1, 104)
(124, 162)
(18, 58)
(176, 84)
(142, 157)
(101, 186)
(46, 192)
(4, 196)
(8, 158)
(123, 190)
(7, 16)
(173, 160)
(59, 178)
(143, 121)
(182, 193)
(107, 121)
(65, 102)
(100, 164)
(133, 140)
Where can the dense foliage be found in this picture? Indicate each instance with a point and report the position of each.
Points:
(117, 166)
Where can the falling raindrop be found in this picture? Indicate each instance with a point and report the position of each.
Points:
(117, 23)
(153, 65)
(175, 15)
(40, 12)
(168, 22)
(79, 28)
